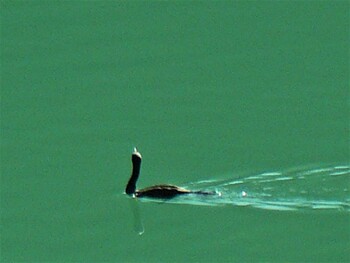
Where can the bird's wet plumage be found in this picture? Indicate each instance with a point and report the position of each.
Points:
(162, 191)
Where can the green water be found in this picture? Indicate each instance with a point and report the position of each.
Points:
(219, 91)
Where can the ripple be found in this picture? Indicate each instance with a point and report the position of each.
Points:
(295, 189)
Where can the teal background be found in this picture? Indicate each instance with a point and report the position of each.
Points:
(204, 90)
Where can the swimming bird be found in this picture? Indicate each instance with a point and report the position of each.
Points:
(162, 191)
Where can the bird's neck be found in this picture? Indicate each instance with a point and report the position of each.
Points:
(131, 186)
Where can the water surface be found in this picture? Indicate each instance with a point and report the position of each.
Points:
(233, 96)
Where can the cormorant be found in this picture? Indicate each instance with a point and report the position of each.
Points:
(162, 191)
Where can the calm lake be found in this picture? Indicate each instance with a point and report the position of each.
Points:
(246, 98)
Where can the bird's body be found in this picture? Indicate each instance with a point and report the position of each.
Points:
(162, 191)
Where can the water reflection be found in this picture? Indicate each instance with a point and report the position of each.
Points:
(137, 220)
